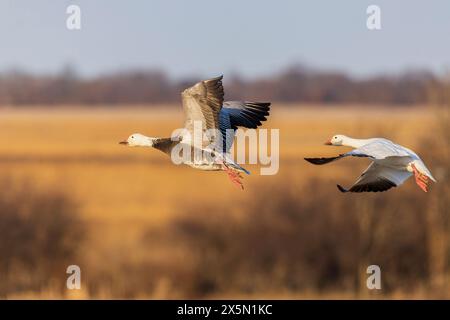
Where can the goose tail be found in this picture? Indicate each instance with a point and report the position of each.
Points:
(238, 167)
(229, 162)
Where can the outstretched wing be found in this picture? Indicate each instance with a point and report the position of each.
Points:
(202, 104)
(323, 160)
(381, 149)
(245, 114)
(377, 178)
(236, 114)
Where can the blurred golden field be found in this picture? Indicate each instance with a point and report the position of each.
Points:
(126, 195)
(78, 149)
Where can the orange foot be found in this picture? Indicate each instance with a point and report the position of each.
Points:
(234, 176)
(421, 179)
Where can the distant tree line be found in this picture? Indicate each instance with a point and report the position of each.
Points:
(293, 85)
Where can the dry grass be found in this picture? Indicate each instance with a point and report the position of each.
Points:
(123, 192)
(78, 149)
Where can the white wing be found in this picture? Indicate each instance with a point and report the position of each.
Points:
(377, 178)
(381, 149)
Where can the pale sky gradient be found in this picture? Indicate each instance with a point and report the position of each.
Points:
(205, 37)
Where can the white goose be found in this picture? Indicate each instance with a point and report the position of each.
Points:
(391, 165)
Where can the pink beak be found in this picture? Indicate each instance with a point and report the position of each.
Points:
(328, 143)
(123, 142)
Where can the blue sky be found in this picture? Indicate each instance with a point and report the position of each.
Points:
(205, 37)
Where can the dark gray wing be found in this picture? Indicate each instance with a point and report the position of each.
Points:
(236, 114)
(246, 114)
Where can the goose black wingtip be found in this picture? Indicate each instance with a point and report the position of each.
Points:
(341, 188)
(310, 160)
(320, 161)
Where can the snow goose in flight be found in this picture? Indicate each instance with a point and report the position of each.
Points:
(203, 104)
(391, 165)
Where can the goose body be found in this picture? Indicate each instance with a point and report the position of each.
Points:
(391, 165)
(204, 107)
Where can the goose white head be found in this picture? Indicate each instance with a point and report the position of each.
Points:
(336, 140)
(138, 140)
